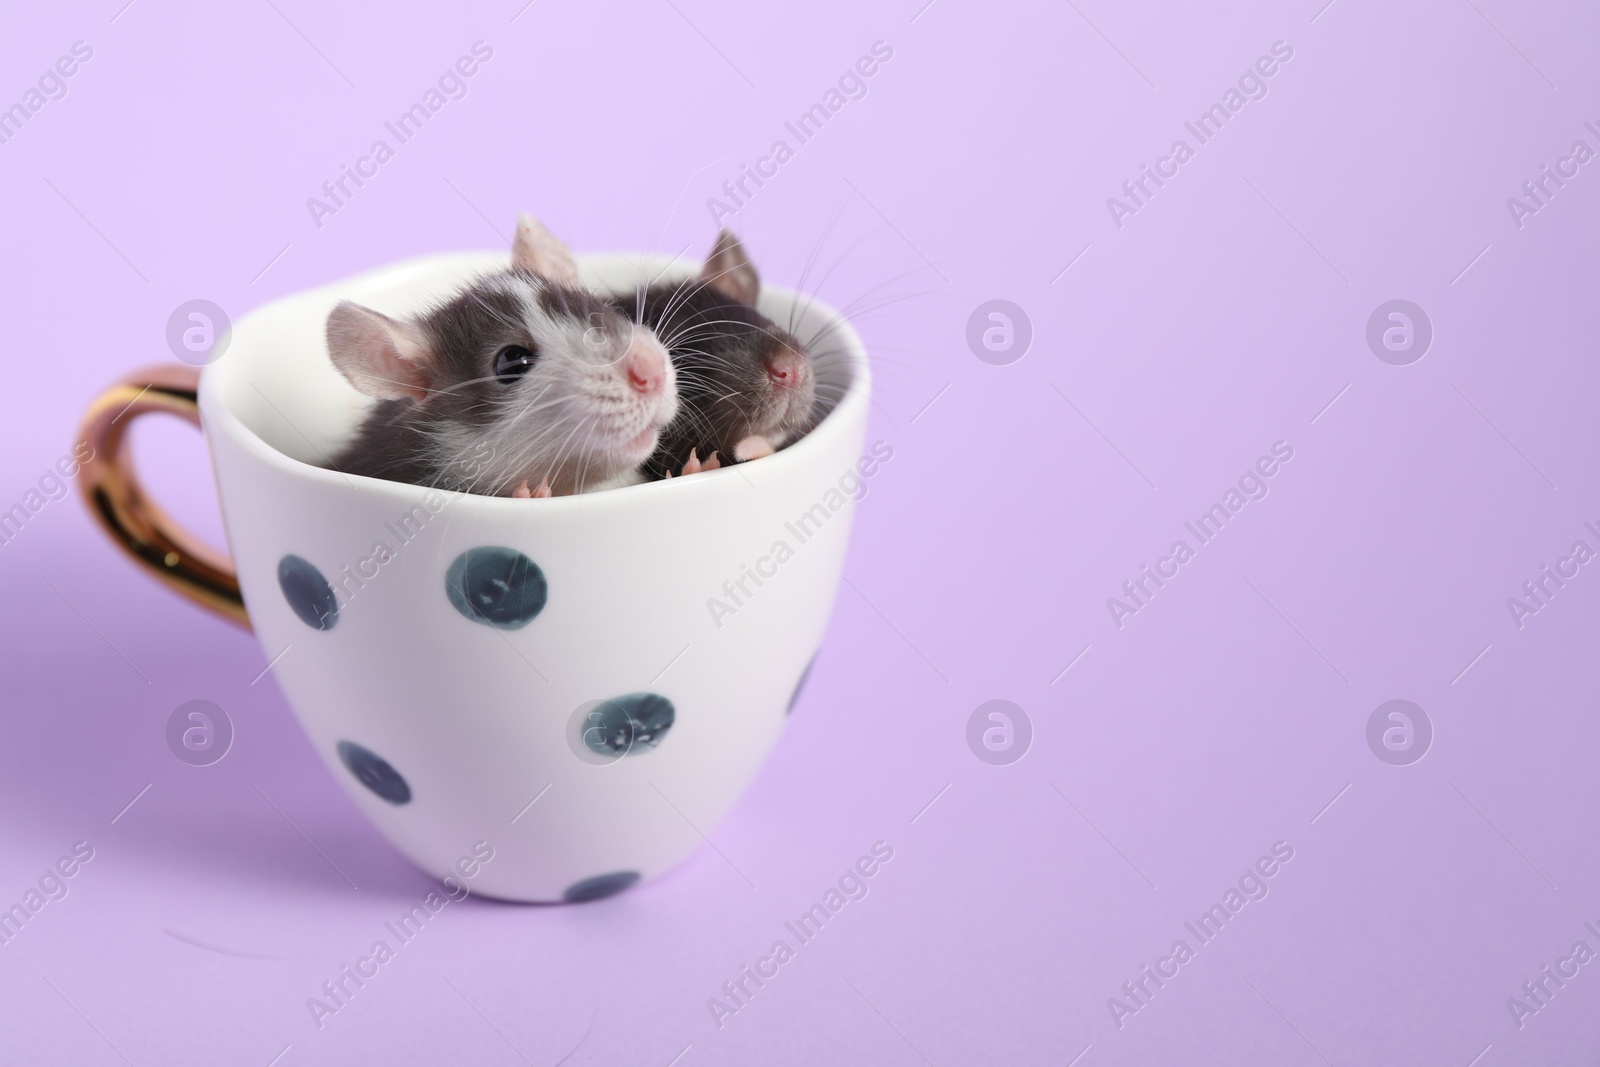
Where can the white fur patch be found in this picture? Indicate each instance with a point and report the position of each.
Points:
(573, 418)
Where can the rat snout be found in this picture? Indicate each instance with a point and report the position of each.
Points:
(646, 366)
(786, 368)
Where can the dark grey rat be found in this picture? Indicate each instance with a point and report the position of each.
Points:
(524, 379)
(746, 386)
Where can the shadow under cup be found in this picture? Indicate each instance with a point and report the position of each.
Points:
(574, 687)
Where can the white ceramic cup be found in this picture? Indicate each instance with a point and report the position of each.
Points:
(590, 716)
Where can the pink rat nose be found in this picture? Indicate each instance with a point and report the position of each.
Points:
(786, 368)
(647, 369)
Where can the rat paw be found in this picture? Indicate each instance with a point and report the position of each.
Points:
(522, 492)
(696, 465)
(753, 447)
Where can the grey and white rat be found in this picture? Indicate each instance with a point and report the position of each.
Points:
(523, 380)
(747, 386)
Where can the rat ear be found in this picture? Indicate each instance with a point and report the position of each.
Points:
(538, 251)
(382, 357)
(729, 271)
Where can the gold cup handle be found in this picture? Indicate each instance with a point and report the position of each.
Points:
(133, 521)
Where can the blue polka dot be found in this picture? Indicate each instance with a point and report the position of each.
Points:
(498, 587)
(600, 887)
(633, 723)
(801, 684)
(374, 772)
(308, 592)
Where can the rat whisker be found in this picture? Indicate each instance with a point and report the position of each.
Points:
(812, 256)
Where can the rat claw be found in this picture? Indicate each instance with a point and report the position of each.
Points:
(544, 488)
(666, 476)
(753, 447)
(522, 492)
(693, 466)
(711, 464)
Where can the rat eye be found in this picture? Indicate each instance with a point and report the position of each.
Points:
(512, 362)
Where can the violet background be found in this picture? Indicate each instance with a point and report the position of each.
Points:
(1223, 317)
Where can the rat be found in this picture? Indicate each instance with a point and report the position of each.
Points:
(522, 379)
(747, 386)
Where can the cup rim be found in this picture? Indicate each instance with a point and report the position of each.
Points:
(218, 415)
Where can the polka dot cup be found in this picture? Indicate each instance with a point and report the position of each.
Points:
(553, 676)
